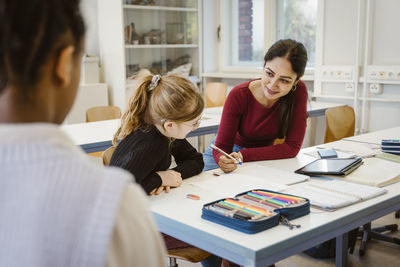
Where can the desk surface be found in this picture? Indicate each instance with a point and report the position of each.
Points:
(97, 136)
(181, 217)
(376, 137)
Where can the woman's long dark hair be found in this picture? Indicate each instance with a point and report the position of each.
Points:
(33, 31)
(296, 54)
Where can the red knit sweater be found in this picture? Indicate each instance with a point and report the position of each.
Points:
(245, 122)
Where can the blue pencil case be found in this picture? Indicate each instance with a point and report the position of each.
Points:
(256, 210)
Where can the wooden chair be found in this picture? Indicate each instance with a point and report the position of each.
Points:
(188, 254)
(102, 113)
(340, 123)
(107, 154)
(215, 94)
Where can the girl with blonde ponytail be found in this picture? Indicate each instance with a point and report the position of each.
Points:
(160, 113)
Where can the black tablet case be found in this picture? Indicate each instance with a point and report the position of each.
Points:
(333, 166)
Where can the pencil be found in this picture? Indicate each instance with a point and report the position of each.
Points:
(226, 154)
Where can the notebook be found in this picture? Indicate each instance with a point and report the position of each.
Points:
(376, 172)
(335, 194)
(333, 166)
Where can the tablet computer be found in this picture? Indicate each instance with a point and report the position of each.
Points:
(331, 166)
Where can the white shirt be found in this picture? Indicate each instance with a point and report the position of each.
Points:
(59, 209)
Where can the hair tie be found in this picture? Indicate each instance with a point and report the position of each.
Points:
(154, 82)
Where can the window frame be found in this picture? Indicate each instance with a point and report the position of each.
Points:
(226, 49)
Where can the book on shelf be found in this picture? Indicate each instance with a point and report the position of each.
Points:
(335, 194)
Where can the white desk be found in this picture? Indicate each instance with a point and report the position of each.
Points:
(97, 136)
(376, 137)
(181, 217)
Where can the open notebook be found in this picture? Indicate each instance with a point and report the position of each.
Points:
(375, 172)
(334, 194)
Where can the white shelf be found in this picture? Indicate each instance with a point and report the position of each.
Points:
(384, 81)
(162, 46)
(232, 75)
(387, 100)
(241, 75)
(336, 81)
(161, 8)
(335, 97)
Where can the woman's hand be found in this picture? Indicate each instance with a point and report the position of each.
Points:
(228, 165)
(170, 178)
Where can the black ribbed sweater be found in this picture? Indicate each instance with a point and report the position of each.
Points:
(143, 153)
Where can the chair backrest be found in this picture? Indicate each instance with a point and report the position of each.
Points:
(103, 113)
(215, 94)
(340, 123)
(107, 154)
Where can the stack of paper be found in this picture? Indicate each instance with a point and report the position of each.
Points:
(375, 172)
(335, 194)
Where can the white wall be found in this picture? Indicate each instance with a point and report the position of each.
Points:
(378, 44)
(339, 47)
(89, 13)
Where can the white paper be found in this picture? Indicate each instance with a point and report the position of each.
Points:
(273, 175)
(235, 183)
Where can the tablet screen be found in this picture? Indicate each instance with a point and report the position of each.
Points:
(327, 166)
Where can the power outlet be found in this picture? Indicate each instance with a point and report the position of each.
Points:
(349, 87)
(375, 88)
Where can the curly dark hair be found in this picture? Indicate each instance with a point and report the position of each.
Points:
(33, 31)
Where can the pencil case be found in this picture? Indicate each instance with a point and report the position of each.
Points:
(256, 210)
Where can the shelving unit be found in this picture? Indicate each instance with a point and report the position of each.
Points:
(171, 27)
(159, 37)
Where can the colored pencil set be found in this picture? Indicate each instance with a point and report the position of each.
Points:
(240, 210)
(275, 200)
(256, 210)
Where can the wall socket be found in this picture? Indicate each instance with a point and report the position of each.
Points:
(375, 88)
(385, 73)
(349, 87)
(329, 72)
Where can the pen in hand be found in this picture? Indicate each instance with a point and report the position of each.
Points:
(226, 154)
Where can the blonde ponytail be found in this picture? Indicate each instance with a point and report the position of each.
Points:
(159, 98)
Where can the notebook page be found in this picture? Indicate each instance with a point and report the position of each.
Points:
(322, 198)
(351, 189)
(271, 174)
(234, 183)
(375, 172)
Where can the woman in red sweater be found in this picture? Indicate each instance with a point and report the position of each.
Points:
(264, 119)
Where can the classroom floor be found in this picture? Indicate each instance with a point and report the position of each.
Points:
(378, 254)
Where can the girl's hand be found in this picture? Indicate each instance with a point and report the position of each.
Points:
(170, 178)
(228, 165)
(158, 190)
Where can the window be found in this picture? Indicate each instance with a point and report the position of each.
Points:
(297, 20)
(251, 26)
